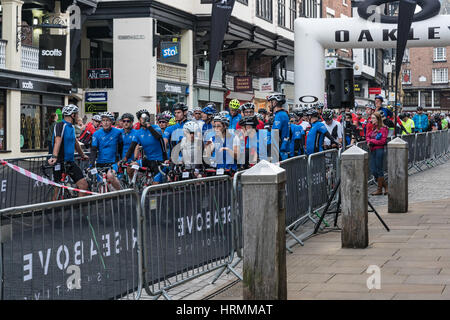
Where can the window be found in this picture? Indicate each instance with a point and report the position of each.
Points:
(406, 77)
(440, 75)
(411, 99)
(310, 8)
(369, 57)
(282, 13)
(2, 120)
(292, 13)
(406, 56)
(264, 9)
(440, 54)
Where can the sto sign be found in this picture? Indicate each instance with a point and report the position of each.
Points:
(369, 30)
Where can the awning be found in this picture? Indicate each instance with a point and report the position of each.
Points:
(240, 96)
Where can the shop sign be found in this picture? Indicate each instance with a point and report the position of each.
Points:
(170, 51)
(99, 73)
(374, 90)
(32, 85)
(357, 87)
(96, 102)
(243, 84)
(52, 52)
(266, 84)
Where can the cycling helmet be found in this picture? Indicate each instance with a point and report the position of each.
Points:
(313, 113)
(292, 115)
(262, 111)
(298, 112)
(172, 121)
(259, 116)
(190, 115)
(419, 108)
(180, 106)
(197, 109)
(141, 112)
(167, 114)
(69, 109)
(109, 115)
(209, 110)
(234, 104)
(97, 118)
(280, 98)
(320, 105)
(127, 115)
(190, 126)
(162, 117)
(248, 106)
(327, 114)
(249, 121)
(224, 113)
(224, 120)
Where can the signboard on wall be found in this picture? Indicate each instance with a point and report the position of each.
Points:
(99, 73)
(170, 51)
(96, 102)
(374, 90)
(243, 84)
(266, 84)
(52, 52)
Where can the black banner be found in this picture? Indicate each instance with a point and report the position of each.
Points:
(221, 13)
(52, 52)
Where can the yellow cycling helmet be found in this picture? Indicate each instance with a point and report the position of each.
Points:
(172, 121)
(234, 104)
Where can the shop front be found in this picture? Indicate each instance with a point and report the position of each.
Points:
(169, 93)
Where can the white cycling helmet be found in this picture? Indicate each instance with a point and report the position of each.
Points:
(190, 126)
(69, 109)
(108, 115)
(97, 118)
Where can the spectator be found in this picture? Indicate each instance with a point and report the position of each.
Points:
(370, 109)
(51, 127)
(376, 141)
(444, 122)
(420, 121)
(86, 135)
(407, 123)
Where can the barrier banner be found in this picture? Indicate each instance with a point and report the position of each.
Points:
(188, 228)
(84, 251)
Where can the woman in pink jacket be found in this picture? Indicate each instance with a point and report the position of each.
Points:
(376, 140)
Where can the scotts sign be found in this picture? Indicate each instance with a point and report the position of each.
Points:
(371, 29)
(52, 52)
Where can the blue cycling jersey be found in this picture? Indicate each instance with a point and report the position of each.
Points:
(152, 147)
(234, 121)
(297, 133)
(65, 130)
(223, 160)
(420, 122)
(316, 134)
(107, 144)
(127, 139)
(281, 122)
(173, 134)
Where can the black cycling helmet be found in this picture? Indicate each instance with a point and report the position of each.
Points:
(262, 111)
(292, 115)
(327, 114)
(298, 112)
(141, 112)
(419, 108)
(127, 115)
(249, 121)
(180, 106)
(313, 113)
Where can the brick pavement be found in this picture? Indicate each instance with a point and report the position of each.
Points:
(414, 257)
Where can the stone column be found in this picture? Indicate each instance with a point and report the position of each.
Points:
(12, 18)
(264, 219)
(354, 173)
(398, 176)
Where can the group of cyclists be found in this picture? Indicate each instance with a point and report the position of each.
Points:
(228, 140)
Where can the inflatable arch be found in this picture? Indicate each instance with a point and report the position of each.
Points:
(313, 36)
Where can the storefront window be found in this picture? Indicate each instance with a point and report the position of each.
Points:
(167, 100)
(2, 120)
(34, 116)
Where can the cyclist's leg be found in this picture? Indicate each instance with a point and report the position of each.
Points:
(112, 179)
(77, 175)
(57, 176)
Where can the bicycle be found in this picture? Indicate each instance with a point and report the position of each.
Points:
(99, 180)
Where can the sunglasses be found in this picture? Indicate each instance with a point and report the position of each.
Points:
(126, 121)
(162, 121)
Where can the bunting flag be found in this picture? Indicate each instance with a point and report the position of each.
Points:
(220, 17)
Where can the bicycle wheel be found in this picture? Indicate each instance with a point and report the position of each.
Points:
(57, 194)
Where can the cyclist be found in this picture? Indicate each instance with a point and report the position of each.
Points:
(86, 136)
(251, 152)
(317, 133)
(163, 120)
(64, 146)
(264, 113)
(222, 147)
(198, 116)
(191, 147)
(280, 122)
(208, 113)
(151, 139)
(128, 134)
(248, 109)
(107, 146)
(235, 114)
(296, 138)
(334, 128)
(174, 133)
(139, 114)
(420, 121)
(304, 119)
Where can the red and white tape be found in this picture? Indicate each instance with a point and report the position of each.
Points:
(41, 179)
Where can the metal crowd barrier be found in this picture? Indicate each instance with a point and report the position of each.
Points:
(77, 249)
(187, 232)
